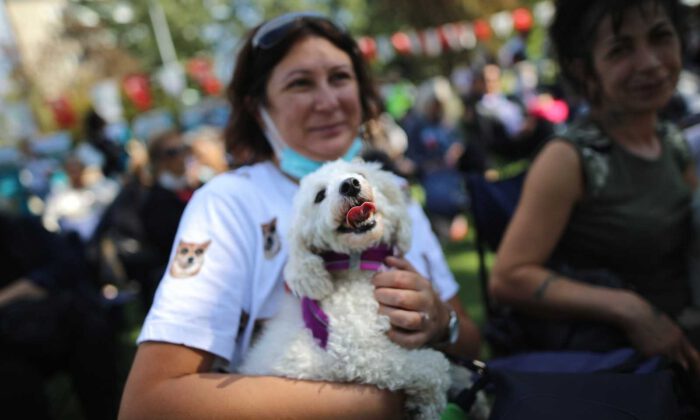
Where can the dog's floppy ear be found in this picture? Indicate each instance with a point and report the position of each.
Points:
(398, 203)
(403, 234)
(305, 272)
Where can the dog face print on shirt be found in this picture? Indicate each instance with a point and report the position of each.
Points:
(188, 259)
(271, 239)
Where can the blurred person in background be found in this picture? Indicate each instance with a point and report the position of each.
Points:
(497, 126)
(208, 154)
(434, 148)
(165, 200)
(95, 128)
(51, 322)
(35, 170)
(78, 205)
(117, 250)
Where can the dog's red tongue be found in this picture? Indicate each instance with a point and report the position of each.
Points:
(359, 214)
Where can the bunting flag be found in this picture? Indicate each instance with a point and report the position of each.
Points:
(63, 112)
(482, 30)
(544, 12)
(502, 24)
(467, 38)
(522, 19)
(430, 41)
(385, 50)
(202, 71)
(456, 36)
(137, 89)
(416, 47)
(401, 43)
(368, 47)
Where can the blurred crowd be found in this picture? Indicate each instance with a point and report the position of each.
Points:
(90, 230)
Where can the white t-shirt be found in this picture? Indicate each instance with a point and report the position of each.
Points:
(227, 260)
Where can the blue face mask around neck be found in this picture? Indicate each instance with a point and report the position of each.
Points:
(297, 165)
(292, 162)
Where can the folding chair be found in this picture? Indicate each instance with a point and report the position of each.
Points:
(492, 205)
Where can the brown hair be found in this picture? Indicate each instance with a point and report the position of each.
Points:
(575, 22)
(244, 138)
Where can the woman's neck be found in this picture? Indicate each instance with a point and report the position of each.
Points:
(635, 132)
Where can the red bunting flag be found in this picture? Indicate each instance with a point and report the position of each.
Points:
(522, 19)
(482, 30)
(63, 112)
(137, 89)
(202, 71)
(401, 43)
(368, 47)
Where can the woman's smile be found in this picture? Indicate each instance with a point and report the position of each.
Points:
(649, 87)
(328, 129)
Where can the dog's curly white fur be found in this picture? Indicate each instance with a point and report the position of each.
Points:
(358, 349)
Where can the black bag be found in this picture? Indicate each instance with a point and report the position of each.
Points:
(589, 389)
(584, 396)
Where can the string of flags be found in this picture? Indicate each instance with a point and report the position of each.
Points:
(452, 36)
(455, 36)
(137, 89)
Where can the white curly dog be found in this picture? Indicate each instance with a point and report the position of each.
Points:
(347, 218)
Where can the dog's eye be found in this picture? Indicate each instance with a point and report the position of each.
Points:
(320, 196)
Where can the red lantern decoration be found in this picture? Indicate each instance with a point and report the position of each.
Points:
(522, 19)
(137, 89)
(63, 112)
(368, 47)
(401, 43)
(482, 30)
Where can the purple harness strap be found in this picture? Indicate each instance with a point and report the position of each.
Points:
(314, 318)
(370, 260)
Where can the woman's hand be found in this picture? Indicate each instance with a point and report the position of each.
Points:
(417, 314)
(652, 332)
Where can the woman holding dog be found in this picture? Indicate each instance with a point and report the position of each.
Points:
(600, 235)
(300, 94)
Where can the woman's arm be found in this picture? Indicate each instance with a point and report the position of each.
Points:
(519, 278)
(170, 381)
(21, 288)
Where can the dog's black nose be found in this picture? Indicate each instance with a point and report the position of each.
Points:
(350, 187)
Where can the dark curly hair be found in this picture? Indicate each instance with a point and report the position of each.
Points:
(244, 138)
(573, 29)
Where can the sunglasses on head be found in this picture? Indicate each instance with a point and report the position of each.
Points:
(172, 152)
(274, 30)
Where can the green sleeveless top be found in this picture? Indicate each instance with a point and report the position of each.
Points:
(634, 219)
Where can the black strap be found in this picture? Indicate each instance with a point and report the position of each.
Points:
(466, 398)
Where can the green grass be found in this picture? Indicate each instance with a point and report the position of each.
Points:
(463, 260)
